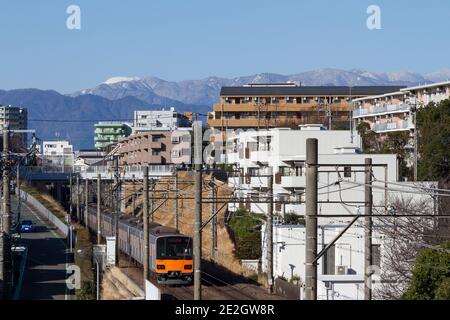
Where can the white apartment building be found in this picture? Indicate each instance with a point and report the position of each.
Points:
(281, 153)
(57, 153)
(340, 272)
(395, 111)
(158, 120)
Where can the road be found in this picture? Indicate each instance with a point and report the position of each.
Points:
(45, 271)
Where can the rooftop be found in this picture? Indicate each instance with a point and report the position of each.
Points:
(289, 90)
(426, 86)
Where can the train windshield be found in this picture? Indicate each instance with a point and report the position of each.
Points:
(174, 248)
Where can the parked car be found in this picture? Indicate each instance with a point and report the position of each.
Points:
(26, 226)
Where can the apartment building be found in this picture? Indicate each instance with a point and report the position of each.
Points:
(156, 147)
(57, 154)
(281, 153)
(263, 106)
(394, 111)
(15, 118)
(340, 271)
(159, 120)
(109, 132)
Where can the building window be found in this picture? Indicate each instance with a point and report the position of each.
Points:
(347, 172)
(156, 138)
(156, 152)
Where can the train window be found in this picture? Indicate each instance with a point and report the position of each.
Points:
(174, 248)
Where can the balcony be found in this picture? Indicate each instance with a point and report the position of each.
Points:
(293, 182)
(393, 126)
(235, 182)
(386, 109)
(259, 182)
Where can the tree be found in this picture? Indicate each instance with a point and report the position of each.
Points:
(434, 140)
(431, 275)
(403, 238)
(396, 143)
(370, 140)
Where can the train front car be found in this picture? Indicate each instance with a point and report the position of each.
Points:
(174, 263)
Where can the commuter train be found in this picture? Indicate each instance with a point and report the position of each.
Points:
(170, 252)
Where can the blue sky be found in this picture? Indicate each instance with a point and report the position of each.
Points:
(192, 39)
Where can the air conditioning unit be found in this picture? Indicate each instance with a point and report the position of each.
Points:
(341, 270)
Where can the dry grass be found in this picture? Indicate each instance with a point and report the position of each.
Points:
(46, 200)
(165, 215)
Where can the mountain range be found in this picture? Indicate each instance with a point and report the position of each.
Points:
(72, 116)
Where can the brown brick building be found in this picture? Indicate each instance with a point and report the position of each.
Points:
(156, 147)
(287, 105)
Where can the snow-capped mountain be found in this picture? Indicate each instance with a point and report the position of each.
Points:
(205, 92)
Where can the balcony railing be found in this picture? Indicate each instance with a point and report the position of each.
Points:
(293, 182)
(378, 110)
(393, 126)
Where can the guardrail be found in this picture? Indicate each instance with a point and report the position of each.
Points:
(44, 212)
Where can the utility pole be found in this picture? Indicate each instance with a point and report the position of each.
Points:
(145, 213)
(133, 198)
(99, 213)
(116, 205)
(5, 245)
(78, 199)
(176, 200)
(198, 210)
(368, 231)
(414, 114)
(86, 202)
(151, 200)
(197, 233)
(214, 219)
(311, 220)
(269, 231)
(70, 195)
(19, 200)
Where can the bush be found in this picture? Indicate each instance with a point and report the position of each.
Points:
(293, 219)
(246, 229)
(431, 275)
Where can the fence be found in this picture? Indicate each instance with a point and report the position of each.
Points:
(44, 212)
(286, 289)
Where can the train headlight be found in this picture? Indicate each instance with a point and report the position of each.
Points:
(188, 266)
(160, 267)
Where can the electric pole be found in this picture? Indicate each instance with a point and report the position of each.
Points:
(99, 213)
(116, 205)
(269, 231)
(86, 202)
(152, 195)
(197, 233)
(70, 197)
(176, 200)
(214, 219)
(133, 198)
(145, 214)
(414, 115)
(311, 220)
(368, 231)
(198, 210)
(19, 200)
(5, 245)
(78, 199)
